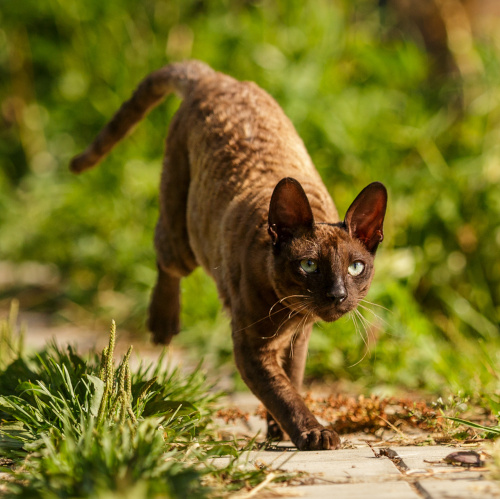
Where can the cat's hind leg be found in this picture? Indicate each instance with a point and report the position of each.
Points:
(175, 257)
(164, 309)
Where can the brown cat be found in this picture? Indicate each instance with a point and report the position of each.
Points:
(275, 246)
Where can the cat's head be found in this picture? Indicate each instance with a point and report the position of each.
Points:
(325, 268)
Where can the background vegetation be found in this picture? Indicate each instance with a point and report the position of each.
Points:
(369, 105)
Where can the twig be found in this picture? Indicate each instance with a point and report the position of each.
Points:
(394, 428)
(259, 487)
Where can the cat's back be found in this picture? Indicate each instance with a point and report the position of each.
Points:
(241, 144)
(235, 127)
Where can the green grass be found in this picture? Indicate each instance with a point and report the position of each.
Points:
(75, 427)
(368, 108)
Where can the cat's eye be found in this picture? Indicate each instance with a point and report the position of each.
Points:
(356, 268)
(310, 266)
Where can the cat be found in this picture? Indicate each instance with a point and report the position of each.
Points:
(239, 196)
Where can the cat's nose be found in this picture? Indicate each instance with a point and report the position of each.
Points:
(337, 293)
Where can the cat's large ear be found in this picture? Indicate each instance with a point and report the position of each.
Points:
(289, 212)
(365, 217)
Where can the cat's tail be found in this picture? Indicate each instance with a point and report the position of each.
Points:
(178, 77)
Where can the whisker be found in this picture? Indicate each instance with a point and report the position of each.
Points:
(366, 350)
(376, 305)
(366, 321)
(362, 317)
(360, 360)
(366, 338)
(294, 335)
(292, 339)
(286, 298)
(305, 322)
(300, 306)
(356, 326)
(260, 320)
(306, 302)
(366, 325)
(284, 321)
(268, 316)
(389, 333)
(376, 315)
(358, 330)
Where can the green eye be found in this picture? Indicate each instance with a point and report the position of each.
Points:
(310, 266)
(356, 268)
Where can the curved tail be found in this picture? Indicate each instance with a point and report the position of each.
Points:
(179, 77)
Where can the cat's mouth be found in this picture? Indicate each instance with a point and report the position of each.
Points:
(331, 313)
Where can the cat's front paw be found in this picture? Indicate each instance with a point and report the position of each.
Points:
(318, 439)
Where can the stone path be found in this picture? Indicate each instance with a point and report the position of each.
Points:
(402, 472)
(357, 473)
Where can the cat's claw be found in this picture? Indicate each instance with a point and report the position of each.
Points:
(318, 439)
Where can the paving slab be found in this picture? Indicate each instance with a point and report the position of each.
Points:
(415, 457)
(413, 461)
(459, 489)
(462, 484)
(358, 464)
(240, 428)
(245, 401)
(389, 490)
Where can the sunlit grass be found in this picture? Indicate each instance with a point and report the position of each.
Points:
(75, 427)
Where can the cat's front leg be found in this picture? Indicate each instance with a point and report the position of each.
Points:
(261, 370)
(293, 361)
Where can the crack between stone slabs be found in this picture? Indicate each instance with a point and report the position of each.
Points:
(414, 482)
(401, 466)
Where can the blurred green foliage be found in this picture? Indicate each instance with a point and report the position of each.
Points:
(368, 108)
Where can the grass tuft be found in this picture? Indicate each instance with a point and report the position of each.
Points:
(76, 427)
(11, 338)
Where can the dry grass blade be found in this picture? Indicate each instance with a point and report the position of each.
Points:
(269, 478)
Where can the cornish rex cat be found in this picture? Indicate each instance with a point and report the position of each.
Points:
(240, 196)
